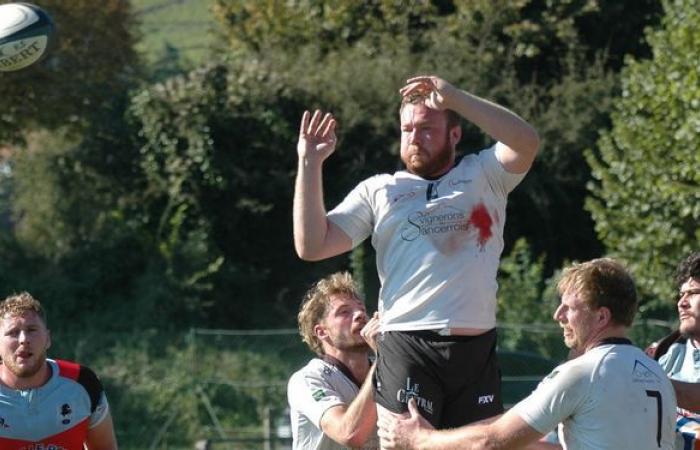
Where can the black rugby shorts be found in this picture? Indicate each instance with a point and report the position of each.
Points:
(455, 380)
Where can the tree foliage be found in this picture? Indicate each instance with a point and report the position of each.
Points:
(645, 199)
(134, 204)
(197, 171)
(92, 61)
(527, 300)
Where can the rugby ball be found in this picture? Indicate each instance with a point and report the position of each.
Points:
(26, 32)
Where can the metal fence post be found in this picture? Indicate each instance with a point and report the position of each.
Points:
(267, 428)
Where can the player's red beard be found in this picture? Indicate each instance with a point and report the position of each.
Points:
(26, 371)
(437, 164)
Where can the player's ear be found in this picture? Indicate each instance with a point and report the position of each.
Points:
(455, 135)
(48, 339)
(604, 315)
(320, 331)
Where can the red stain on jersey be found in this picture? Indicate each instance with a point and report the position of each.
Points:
(481, 220)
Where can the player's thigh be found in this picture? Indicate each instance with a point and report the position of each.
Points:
(405, 370)
(478, 396)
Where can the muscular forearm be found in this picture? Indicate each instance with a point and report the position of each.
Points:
(504, 433)
(361, 416)
(688, 395)
(310, 223)
(496, 121)
(543, 446)
(359, 420)
(464, 438)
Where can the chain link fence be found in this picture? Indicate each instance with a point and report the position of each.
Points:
(226, 389)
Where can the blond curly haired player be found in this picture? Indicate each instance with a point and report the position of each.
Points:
(330, 399)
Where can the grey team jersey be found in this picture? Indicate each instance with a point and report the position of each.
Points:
(612, 397)
(438, 242)
(56, 415)
(682, 361)
(312, 391)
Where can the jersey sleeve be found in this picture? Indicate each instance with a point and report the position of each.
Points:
(500, 179)
(311, 396)
(557, 397)
(101, 411)
(99, 408)
(354, 215)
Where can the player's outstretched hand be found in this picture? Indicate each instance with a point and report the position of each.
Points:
(316, 136)
(370, 331)
(437, 91)
(397, 432)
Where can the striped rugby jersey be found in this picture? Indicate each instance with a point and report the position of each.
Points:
(688, 429)
(56, 415)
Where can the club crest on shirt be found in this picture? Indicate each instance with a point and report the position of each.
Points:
(643, 374)
(65, 414)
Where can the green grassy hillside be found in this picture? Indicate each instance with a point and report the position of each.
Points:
(174, 28)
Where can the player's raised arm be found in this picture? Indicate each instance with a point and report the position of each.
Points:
(520, 139)
(315, 237)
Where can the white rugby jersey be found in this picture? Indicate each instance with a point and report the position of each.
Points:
(612, 397)
(56, 415)
(438, 242)
(311, 391)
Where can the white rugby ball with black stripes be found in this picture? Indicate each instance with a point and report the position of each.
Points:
(26, 33)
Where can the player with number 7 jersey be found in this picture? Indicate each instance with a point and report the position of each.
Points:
(612, 397)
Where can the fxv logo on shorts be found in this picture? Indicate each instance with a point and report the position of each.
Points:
(486, 399)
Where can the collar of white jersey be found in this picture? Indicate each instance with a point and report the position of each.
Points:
(614, 341)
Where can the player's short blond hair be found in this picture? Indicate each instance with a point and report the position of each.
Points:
(603, 282)
(18, 304)
(314, 306)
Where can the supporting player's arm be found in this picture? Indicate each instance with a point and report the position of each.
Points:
(315, 237)
(102, 437)
(351, 425)
(520, 140)
(688, 395)
(508, 431)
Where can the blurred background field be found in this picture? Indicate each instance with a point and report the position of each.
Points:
(175, 29)
(228, 387)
